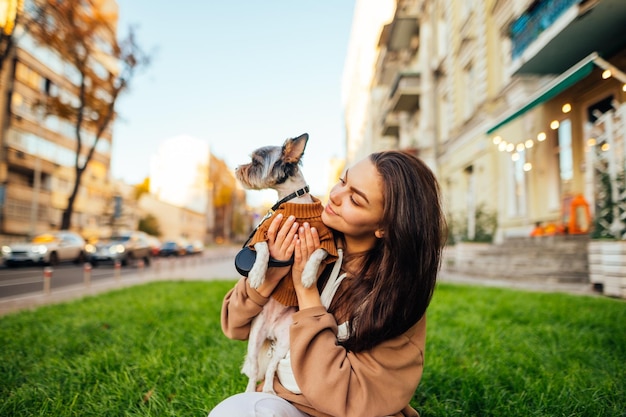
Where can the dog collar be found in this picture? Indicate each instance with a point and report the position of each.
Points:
(298, 193)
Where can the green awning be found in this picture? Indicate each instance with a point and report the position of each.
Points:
(556, 86)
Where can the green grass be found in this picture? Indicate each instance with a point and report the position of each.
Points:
(157, 350)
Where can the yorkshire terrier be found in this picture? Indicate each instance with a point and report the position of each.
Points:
(278, 168)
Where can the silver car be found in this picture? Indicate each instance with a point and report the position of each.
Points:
(46, 249)
(127, 248)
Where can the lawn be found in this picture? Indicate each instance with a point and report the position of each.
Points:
(157, 350)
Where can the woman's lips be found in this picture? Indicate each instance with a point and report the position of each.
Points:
(329, 210)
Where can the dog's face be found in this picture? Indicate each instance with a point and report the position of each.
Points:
(271, 166)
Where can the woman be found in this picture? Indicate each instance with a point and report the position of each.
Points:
(358, 338)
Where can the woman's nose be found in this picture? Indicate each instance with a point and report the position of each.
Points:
(334, 196)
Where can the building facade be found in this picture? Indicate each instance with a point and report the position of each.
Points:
(505, 100)
(37, 151)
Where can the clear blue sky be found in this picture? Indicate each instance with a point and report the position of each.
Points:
(238, 74)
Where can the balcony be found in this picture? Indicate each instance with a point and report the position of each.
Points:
(405, 92)
(403, 31)
(553, 35)
(391, 124)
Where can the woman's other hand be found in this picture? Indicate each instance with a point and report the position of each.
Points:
(281, 244)
(307, 241)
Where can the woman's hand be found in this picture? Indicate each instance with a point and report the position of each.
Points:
(307, 241)
(281, 244)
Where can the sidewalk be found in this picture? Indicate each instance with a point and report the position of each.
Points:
(218, 264)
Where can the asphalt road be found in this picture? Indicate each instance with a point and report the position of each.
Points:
(29, 279)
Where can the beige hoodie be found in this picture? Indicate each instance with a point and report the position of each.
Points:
(336, 382)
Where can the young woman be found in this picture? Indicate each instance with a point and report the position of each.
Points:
(357, 341)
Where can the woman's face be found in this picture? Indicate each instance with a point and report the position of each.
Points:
(355, 206)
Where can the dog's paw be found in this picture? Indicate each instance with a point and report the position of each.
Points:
(312, 266)
(268, 388)
(256, 276)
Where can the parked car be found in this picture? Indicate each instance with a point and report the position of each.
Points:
(194, 248)
(47, 249)
(155, 245)
(124, 247)
(171, 248)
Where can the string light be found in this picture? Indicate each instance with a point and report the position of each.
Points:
(515, 150)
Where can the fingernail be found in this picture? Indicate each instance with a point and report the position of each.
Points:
(279, 216)
(292, 217)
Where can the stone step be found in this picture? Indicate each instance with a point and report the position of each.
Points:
(556, 258)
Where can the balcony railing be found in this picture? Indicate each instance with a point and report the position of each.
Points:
(527, 28)
(405, 92)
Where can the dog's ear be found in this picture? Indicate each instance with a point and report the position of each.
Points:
(294, 148)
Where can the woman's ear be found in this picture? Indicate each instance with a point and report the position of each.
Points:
(379, 233)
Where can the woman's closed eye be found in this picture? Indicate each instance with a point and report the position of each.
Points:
(352, 199)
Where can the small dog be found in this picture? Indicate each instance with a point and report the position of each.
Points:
(277, 167)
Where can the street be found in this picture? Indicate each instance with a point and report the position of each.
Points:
(19, 281)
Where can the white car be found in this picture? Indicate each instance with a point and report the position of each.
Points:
(46, 249)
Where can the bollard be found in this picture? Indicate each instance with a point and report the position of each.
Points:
(117, 270)
(140, 265)
(156, 264)
(87, 274)
(47, 277)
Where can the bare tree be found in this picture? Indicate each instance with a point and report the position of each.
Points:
(83, 33)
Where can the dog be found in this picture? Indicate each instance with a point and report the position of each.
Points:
(278, 168)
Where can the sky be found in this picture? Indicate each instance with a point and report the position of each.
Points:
(238, 75)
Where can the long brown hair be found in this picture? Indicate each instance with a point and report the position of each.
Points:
(396, 281)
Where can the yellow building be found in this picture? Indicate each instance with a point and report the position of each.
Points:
(518, 106)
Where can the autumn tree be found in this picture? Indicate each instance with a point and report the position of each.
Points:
(143, 188)
(9, 15)
(83, 34)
